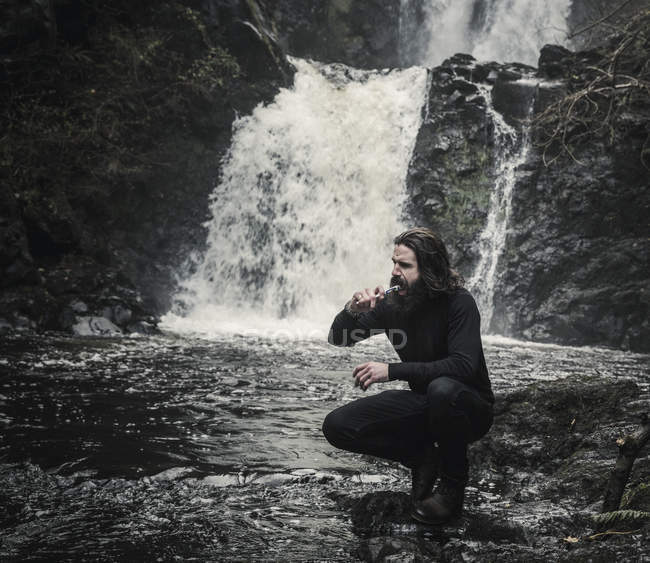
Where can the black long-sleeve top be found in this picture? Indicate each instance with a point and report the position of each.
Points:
(442, 338)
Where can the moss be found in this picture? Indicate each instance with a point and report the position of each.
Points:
(212, 70)
(637, 498)
(468, 193)
(341, 6)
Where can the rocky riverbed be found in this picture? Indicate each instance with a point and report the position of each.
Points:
(178, 447)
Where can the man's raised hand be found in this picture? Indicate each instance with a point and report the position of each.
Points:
(370, 372)
(366, 299)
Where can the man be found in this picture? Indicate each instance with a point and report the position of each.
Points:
(434, 325)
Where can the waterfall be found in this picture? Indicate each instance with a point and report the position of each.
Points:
(309, 199)
(511, 150)
(312, 189)
(499, 30)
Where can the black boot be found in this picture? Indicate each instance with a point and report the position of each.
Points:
(445, 503)
(424, 474)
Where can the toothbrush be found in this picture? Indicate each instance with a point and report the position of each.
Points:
(392, 289)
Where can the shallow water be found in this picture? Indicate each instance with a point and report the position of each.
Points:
(170, 446)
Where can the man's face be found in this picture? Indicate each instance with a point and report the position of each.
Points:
(405, 268)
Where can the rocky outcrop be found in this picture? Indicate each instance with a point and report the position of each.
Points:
(574, 268)
(360, 34)
(452, 171)
(450, 175)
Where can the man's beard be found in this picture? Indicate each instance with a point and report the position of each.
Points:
(416, 295)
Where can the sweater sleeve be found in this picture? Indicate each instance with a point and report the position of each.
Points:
(347, 329)
(463, 345)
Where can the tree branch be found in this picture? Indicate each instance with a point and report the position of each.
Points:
(602, 92)
(601, 20)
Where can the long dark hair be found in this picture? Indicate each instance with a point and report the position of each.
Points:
(433, 260)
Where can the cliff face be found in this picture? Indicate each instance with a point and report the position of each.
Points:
(116, 119)
(359, 34)
(574, 268)
(454, 165)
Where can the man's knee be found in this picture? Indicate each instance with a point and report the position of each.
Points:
(450, 400)
(334, 428)
(442, 393)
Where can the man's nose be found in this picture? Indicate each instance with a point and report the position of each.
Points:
(396, 271)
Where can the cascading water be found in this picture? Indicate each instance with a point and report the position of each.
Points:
(309, 200)
(511, 149)
(500, 30)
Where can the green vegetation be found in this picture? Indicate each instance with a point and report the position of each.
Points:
(470, 192)
(87, 117)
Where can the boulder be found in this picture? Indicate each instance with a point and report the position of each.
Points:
(551, 59)
(95, 326)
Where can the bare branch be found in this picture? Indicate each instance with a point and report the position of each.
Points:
(601, 20)
(603, 92)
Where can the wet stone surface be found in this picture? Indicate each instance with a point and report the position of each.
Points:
(164, 448)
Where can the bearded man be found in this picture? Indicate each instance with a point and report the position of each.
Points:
(434, 325)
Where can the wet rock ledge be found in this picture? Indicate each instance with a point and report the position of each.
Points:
(537, 481)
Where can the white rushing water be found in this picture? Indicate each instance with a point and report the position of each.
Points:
(511, 149)
(309, 201)
(499, 30)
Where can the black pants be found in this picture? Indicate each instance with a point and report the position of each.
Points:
(400, 425)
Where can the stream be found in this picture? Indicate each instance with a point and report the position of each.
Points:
(182, 447)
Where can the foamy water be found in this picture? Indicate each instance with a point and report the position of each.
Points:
(309, 201)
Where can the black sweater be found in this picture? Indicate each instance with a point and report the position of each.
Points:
(443, 338)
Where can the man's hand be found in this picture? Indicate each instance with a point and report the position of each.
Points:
(363, 301)
(370, 372)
